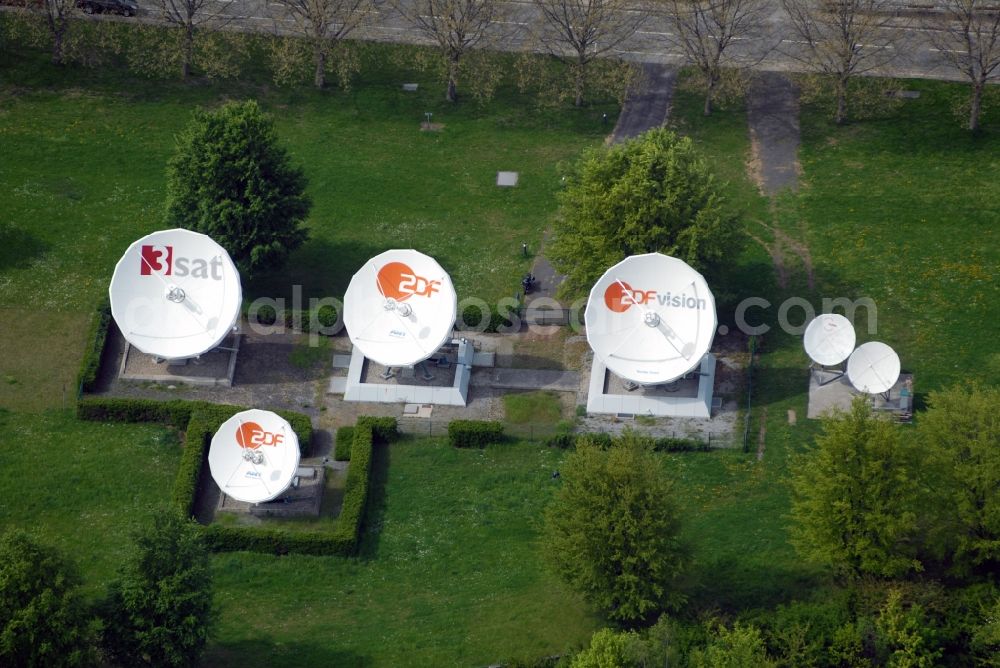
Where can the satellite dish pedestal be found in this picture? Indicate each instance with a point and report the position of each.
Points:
(650, 321)
(820, 371)
(399, 311)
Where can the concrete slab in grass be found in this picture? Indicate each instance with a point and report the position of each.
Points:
(507, 179)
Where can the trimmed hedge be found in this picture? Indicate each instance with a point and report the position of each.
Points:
(176, 412)
(474, 433)
(604, 440)
(97, 336)
(352, 512)
(344, 443)
(384, 429)
(472, 317)
(255, 539)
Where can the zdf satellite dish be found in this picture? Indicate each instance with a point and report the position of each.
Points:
(651, 318)
(829, 339)
(175, 294)
(400, 308)
(873, 368)
(254, 456)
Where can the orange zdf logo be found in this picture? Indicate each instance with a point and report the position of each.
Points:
(251, 435)
(397, 281)
(620, 296)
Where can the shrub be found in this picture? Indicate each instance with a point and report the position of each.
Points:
(561, 441)
(472, 317)
(666, 444)
(345, 441)
(96, 337)
(474, 433)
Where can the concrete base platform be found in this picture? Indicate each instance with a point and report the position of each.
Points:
(447, 384)
(303, 498)
(838, 394)
(215, 368)
(690, 397)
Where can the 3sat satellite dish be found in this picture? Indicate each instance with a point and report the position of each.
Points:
(829, 339)
(873, 368)
(254, 456)
(175, 294)
(651, 318)
(400, 308)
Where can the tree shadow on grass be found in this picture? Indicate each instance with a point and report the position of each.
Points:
(319, 268)
(19, 248)
(283, 653)
(730, 585)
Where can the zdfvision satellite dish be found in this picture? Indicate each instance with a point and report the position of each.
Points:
(175, 294)
(873, 368)
(400, 308)
(651, 318)
(254, 456)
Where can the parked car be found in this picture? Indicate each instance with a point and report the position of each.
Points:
(123, 7)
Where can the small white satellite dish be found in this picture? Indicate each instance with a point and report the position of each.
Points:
(651, 318)
(175, 294)
(400, 308)
(829, 339)
(873, 368)
(254, 456)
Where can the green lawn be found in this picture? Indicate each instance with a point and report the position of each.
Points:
(83, 170)
(542, 407)
(903, 210)
(449, 573)
(83, 485)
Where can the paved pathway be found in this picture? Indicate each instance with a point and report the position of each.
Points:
(645, 109)
(527, 379)
(648, 107)
(773, 114)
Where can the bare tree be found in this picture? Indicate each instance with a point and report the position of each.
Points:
(967, 34)
(323, 24)
(844, 39)
(58, 14)
(706, 29)
(191, 17)
(580, 31)
(456, 27)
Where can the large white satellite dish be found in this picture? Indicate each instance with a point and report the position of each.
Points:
(254, 456)
(829, 339)
(651, 318)
(400, 308)
(175, 294)
(873, 368)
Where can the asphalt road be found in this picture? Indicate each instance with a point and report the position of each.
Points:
(652, 43)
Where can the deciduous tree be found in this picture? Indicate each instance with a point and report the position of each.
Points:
(856, 497)
(230, 179)
(324, 24)
(707, 30)
(967, 34)
(960, 435)
(580, 32)
(43, 620)
(843, 39)
(612, 531)
(455, 27)
(654, 193)
(159, 610)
